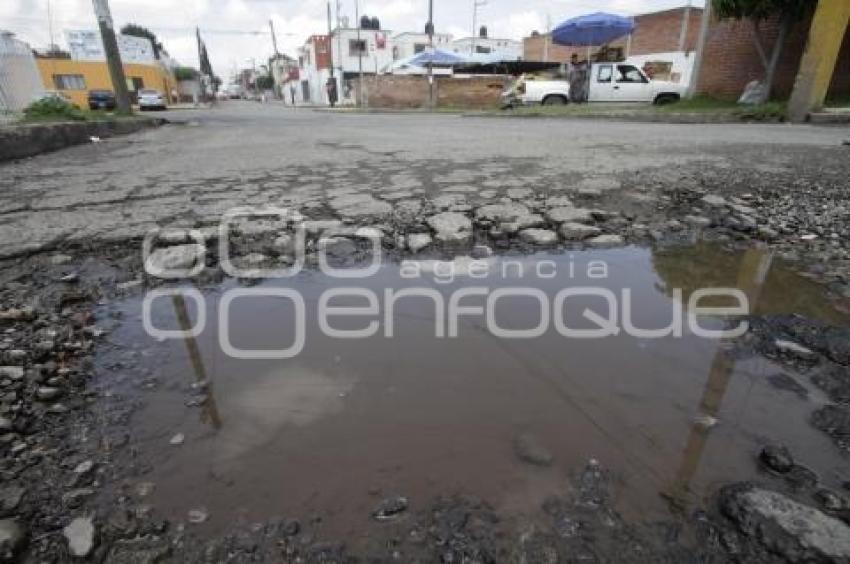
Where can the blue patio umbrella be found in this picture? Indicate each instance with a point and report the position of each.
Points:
(438, 58)
(592, 30)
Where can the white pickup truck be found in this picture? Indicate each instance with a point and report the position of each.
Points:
(609, 82)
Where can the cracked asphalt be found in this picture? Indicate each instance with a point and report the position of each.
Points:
(243, 153)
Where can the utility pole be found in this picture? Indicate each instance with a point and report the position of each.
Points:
(686, 20)
(359, 53)
(698, 56)
(274, 38)
(475, 5)
(278, 92)
(339, 42)
(332, 80)
(113, 56)
(430, 30)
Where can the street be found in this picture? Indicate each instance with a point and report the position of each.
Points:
(246, 153)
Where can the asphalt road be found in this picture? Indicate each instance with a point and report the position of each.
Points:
(246, 153)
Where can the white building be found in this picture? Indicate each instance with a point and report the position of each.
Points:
(351, 48)
(306, 83)
(87, 45)
(20, 80)
(350, 51)
(408, 44)
(510, 49)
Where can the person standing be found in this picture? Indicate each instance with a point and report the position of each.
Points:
(579, 76)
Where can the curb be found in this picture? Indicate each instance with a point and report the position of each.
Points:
(672, 118)
(20, 141)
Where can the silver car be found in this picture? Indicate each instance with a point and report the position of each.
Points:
(151, 100)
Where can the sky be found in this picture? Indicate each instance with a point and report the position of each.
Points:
(236, 31)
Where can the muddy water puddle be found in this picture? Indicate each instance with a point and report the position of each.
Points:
(346, 423)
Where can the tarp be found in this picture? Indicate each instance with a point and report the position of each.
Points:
(437, 58)
(592, 30)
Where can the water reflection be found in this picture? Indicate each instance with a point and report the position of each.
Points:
(209, 412)
(709, 266)
(424, 416)
(753, 272)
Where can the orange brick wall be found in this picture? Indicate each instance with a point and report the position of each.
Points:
(478, 92)
(731, 60)
(408, 92)
(660, 32)
(388, 91)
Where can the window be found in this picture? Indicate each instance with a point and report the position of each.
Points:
(628, 73)
(69, 82)
(604, 73)
(357, 47)
(135, 83)
(480, 49)
(418, 48)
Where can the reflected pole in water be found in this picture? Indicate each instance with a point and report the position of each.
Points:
(209, 414)
(752, 275)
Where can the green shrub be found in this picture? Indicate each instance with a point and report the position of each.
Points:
(53, 108)
(186, 73)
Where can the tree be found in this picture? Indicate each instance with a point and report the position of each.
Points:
(757, 11)
(139, 31)
(186, 73)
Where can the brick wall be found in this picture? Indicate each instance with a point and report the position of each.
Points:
(477, 92)
(731, 60)
(660, 32)
(409, 92)
(389, 91)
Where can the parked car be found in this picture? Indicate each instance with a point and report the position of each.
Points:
(101, 100)
(609, 82)
(151, 100)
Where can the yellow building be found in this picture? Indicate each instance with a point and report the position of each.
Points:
(76, 78)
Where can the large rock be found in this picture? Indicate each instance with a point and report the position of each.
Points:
(714, 201)
(80, 536)
(317, 227)
(523, 222)
(502, 213)
(539, 237)
(418, 241)
(797, 532)
(360, 206)
(12, 372)
(390, 508)
(578, 231)
(569, 215)
(178, 257)
(12, 539)
(451, 227)
(143, 550)
(337, 247)
(603, 241)
(531, 451)
(834, 420)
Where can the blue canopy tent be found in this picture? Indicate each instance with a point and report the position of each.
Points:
(437, 58)
(592, 30)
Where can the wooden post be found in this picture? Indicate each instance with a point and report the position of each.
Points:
(829, 26)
